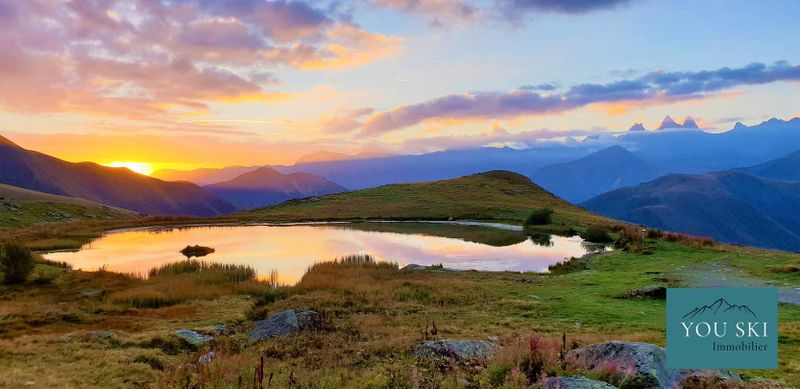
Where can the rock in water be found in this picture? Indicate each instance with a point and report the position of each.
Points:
(279, 324)
(574, 382)
(643, 363)
(192, 337)
(459, 349)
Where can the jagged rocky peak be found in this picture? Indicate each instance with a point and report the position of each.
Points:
(668, 123)
(637, 127)
(689, 123)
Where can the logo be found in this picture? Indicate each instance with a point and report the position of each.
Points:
(722, 328)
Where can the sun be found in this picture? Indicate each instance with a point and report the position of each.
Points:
(143, 168)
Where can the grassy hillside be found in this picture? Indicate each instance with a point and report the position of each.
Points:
(494, 195)
(23, 207)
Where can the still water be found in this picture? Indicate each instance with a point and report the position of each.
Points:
(291, 249)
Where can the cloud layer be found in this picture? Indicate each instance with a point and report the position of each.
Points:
(653, 86)
(143, 59)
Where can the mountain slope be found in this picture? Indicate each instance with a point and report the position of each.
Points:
(730, 206)
(494, 195)
(119, 187)
(265, 186)
(21, 207)
(786, 168)
(203, 176)
(611, 168)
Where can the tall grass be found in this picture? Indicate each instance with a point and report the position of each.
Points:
(187, 280)
(205, 271)
(351, 269)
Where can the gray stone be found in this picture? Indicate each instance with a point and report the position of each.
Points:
(309, 320)
(574, 382)
(193, 337)
(458, 349)
(206, 358)
(90, 293)
(654, 291)
(102, 334)
(643, 363)
(279, 324)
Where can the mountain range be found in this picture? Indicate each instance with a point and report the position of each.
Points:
(785, 168)
(731, 206)
(119, 187)
(265, 186)
(608, 169)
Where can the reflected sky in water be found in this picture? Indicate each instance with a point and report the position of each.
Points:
(292, 249)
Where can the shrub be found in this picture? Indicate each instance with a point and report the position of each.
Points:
(597, 234)
(540, 217)
(496, 374)
(16, 262)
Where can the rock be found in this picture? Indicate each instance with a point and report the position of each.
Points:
(574, 382)
(279, 324)
(459, 349)
(643, 363)
(708, 379)
(193, 337)
(206, 358)
(654, 291)
(64, 338)
(102, 334)
(309, 320)
(90, 293)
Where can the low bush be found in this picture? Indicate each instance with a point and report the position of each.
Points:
(700, 241)
(540, 217)
(16, 262)
(597, 234)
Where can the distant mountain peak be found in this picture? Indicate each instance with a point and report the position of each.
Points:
(689, 123)
(668, 123)
(637, 127)
(739, 126)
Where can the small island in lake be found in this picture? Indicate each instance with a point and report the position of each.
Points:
(196, 251)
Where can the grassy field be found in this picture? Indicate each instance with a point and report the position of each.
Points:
(23, 207)
(375, 314)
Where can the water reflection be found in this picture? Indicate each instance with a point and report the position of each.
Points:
(291, 249)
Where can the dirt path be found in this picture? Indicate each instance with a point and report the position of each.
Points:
(718, 274)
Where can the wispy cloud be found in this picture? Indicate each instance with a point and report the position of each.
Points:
(657, 86)
(147, 59)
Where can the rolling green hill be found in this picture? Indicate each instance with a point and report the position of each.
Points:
(494, 195)
(22, 207)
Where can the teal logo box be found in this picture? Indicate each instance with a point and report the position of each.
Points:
(710, 328)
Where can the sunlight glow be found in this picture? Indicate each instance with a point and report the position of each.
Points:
(143, 168)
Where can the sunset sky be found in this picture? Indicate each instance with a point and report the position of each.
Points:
(191, 83)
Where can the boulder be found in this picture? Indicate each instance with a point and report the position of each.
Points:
(309, 320)
(192, 337)
(654, 291)
(574, 382)
(279, 324)
(643, 364)
(463, 350)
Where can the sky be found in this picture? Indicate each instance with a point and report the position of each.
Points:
(154, 84)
